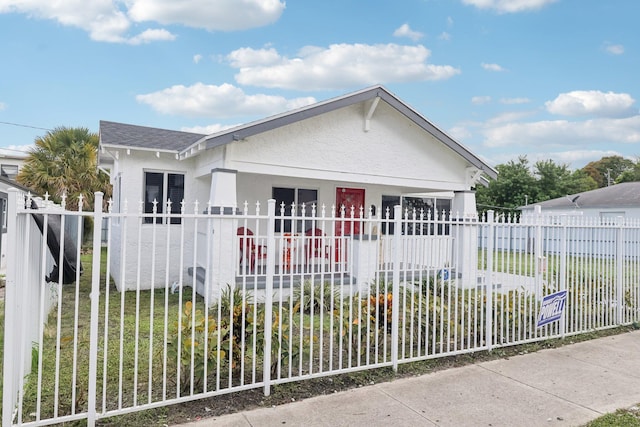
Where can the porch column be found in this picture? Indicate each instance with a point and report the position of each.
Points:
(221, 232)
(365, 260)
(223, 188)
(465, 231)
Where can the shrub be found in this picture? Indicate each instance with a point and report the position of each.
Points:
(229, 337)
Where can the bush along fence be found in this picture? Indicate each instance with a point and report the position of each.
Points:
(163, 308)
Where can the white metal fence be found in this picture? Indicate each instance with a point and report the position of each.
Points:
(282, 298)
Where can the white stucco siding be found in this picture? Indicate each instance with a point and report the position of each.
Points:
(335, 147)
(124, 261)
(206, 160)
(133, 166)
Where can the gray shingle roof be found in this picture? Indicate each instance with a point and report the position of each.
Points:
(626, 194)
(132, 136)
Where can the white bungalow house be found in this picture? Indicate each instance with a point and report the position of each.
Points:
(364, 149)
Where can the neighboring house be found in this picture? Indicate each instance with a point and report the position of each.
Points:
(367, 148)
(5, 185)
(10, 164)
(607, 203)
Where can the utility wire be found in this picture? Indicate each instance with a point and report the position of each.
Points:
(24, 126)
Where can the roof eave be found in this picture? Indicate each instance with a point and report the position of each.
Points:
(244, 131)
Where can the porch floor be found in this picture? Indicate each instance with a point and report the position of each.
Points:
(289, 280)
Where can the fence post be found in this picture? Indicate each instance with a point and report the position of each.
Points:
(11, 326)
(537, 253)
(268, 295)
(563, 271)
(619, 270)
(489, 281)
(395, 296)
(95, 300)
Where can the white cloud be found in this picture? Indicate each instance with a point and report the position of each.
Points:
(481, 100)
(509, 6)
(149, 36)
(102, 19)
(220, 15)
(614, 49)
(405, 31)
(459, 133)
(592, 102)
(247, 57)
(337, 67)
(207, 130)
(217, 101)
(555, 133)
(444, 36)
(197, 58)
(111, 20)
(3, 106)
(508, 117)
(572, 157)
(492, 67)
(514, 101)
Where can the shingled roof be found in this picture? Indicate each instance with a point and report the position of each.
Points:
(626, 194)
(141, 137)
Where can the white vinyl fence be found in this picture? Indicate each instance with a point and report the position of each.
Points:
(117, 327)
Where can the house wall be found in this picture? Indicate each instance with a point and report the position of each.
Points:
(334, 147)
(394, 157)
(131, 264)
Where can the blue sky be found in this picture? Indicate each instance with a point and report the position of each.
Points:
(549, 79)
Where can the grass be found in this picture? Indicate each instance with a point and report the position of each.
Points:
(621, 418)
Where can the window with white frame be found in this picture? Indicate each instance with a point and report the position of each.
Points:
(9, 171)
(160, 187)
(297, 197)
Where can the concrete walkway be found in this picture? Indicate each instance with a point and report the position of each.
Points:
(567, 386)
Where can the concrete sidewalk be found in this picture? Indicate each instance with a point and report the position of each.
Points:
(567, 386)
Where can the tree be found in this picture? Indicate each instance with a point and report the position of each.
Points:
(556, 180)
(630, 175)
(551, 179)
(518, 184)
(607, 170)
(514, 187)
(65, 162)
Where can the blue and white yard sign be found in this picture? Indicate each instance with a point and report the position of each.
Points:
(552, 308)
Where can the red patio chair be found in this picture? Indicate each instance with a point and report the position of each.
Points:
(314, 247)
(249, 251)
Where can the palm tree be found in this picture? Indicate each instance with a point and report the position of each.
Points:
(64, 162)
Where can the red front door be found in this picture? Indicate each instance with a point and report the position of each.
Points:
(348, 197)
